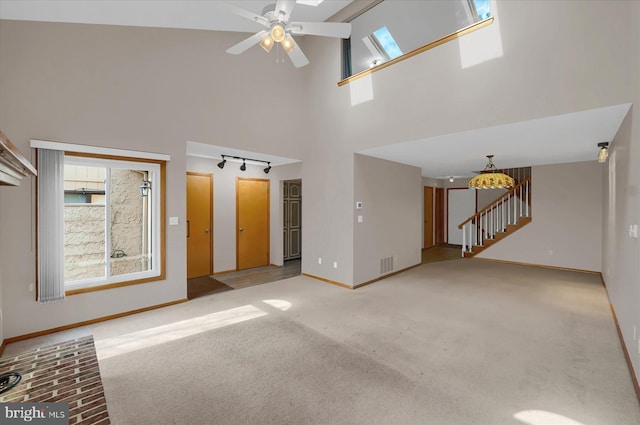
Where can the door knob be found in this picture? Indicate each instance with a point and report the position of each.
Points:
(206, 230)
(242, 229)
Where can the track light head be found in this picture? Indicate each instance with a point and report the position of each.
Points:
(604, 152)
(221, 163)
(266, 170)
(243, 167)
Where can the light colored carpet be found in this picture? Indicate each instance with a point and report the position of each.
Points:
(454, 342)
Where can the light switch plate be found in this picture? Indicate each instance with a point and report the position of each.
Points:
(360, 219)
(173, 221)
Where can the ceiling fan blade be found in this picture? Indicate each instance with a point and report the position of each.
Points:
(247, 43)
(244, 13)
(297, 56)
(285, 7)
(325, 29)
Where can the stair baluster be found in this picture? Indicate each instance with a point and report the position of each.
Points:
(502, 217)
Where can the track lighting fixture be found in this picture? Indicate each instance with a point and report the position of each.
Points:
(243, 167)
(604, 152)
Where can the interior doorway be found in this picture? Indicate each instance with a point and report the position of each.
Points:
(292, 219)
(252, 223)
(428, 217)
(199, 225)
(438, 216)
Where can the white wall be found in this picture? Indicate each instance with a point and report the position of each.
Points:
(620, 260)
(152, 89)
(461, 204)
(566, 227)
(431, 20)
(439, 92)
(392, 216)
(144, 89)
(224, 206)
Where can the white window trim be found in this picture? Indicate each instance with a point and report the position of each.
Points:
(97, 150)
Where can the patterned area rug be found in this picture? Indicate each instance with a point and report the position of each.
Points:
(64, 372)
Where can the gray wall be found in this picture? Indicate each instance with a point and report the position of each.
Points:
(391, 213)
(620, 265)
(153, 89)
(566, 230)
(132, 88)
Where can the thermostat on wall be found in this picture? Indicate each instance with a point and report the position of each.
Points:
(358, 205)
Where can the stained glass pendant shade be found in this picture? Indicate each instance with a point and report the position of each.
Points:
(490, 178)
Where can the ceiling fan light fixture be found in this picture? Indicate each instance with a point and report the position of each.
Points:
(313, 3)
(267, 43)
(288, 44)
(277, 33)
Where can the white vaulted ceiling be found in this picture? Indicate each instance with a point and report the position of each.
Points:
(187, 14)
(557, 139)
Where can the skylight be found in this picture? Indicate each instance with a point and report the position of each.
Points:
(483, 9)
(387, 43)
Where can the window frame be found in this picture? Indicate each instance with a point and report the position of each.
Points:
(157, 272)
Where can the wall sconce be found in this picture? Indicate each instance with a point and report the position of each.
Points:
(451, 179)
(604, 152)
(145, 187)
(243, 167)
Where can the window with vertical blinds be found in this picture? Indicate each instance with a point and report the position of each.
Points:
(99, 222)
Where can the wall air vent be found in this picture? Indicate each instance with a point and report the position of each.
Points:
(386, 265)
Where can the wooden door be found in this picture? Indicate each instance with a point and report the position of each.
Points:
(252, 222)
(428, 217)
(199, 224)
(292, 196)
(438, 216)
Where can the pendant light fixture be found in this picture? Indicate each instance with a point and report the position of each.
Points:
(490, 178)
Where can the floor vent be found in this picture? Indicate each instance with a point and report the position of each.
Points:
(386, 265)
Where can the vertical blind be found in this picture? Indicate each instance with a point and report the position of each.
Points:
(50, 225)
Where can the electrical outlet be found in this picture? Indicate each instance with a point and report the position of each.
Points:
(335, 264)
(319, 260)
(32, 287)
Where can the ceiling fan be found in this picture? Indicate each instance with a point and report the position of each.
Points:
(280, 28)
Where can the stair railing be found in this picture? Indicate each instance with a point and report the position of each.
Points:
(495, 217)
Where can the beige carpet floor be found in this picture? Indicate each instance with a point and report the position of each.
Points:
(453, 342)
